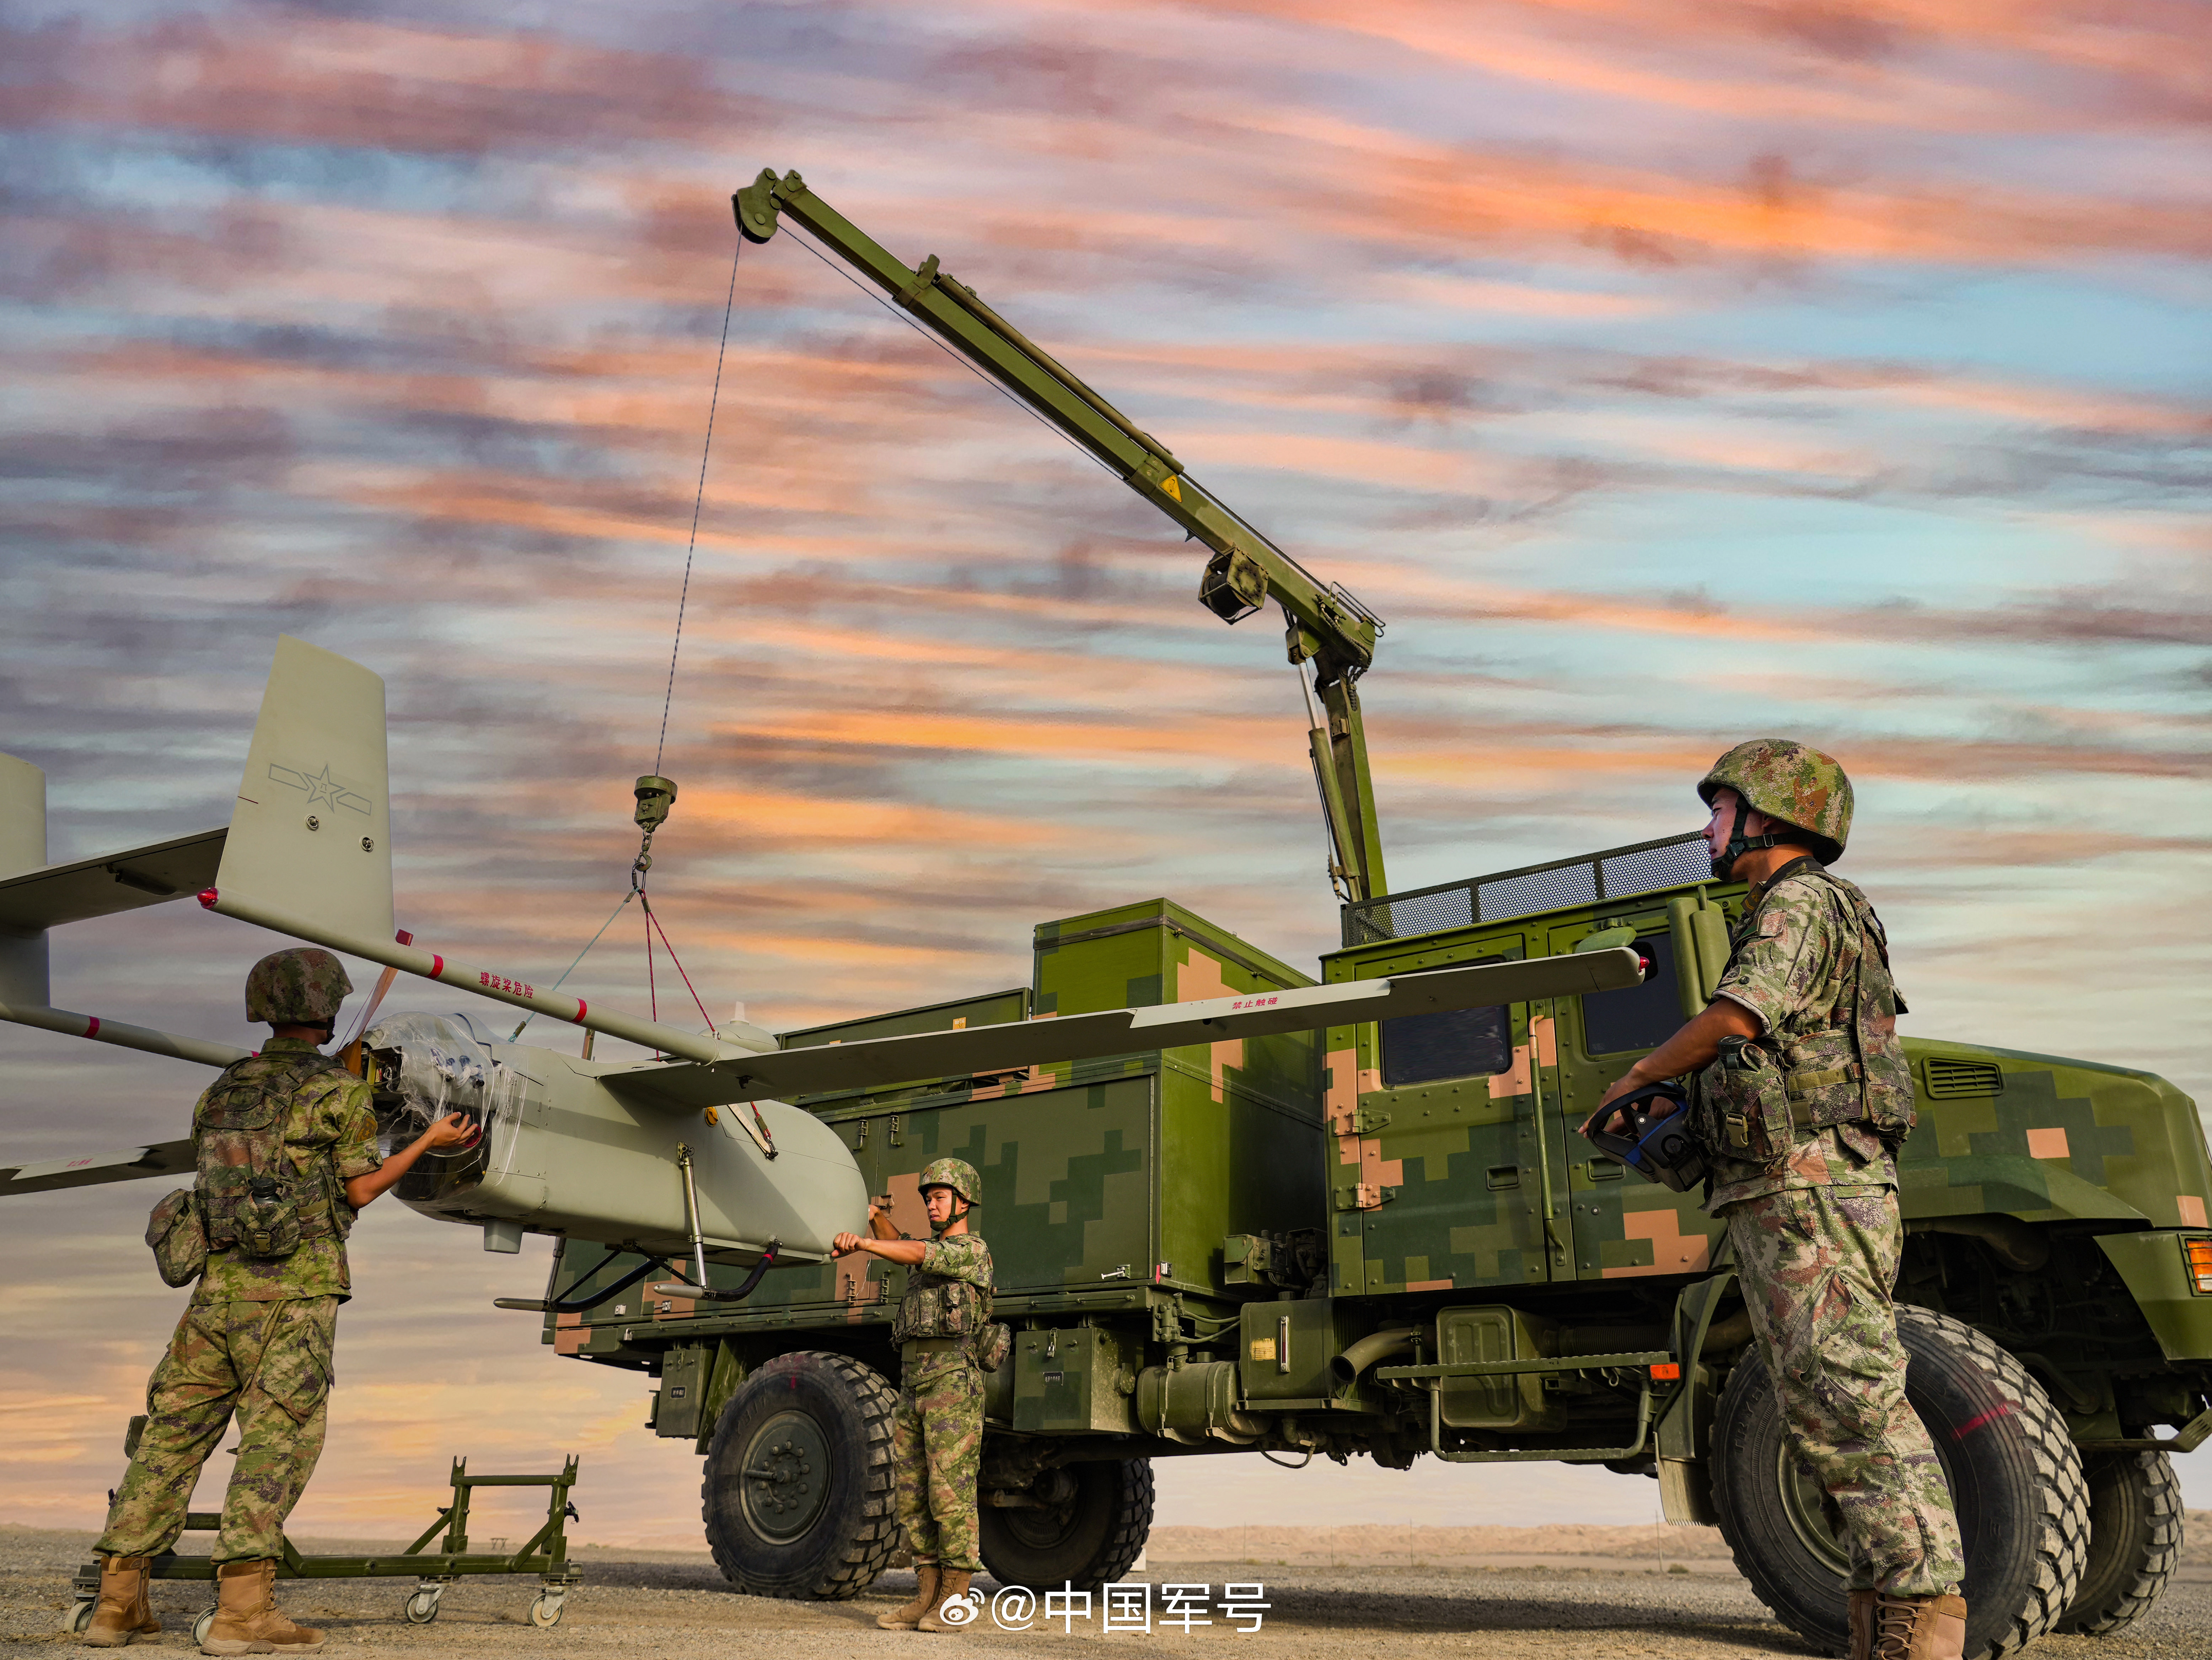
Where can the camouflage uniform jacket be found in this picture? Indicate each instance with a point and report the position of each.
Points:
(330, 1120)
(948, 1294)
(1810, 962)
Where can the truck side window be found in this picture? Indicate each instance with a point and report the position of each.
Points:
(1459, 1043)
(1638, 1017)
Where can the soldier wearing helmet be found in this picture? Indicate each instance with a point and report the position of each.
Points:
(945, 1333)
(286, 1149)
(1802, 1098)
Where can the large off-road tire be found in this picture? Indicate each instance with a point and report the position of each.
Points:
(2015, 1476)
(797, 1492)
(1087, 1539)
(2134, 1540)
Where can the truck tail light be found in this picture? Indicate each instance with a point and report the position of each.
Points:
(2198, 1254)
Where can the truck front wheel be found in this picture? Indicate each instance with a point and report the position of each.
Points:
(797, 1491)
(2015, 1477)
(1085, 1524)
(2134, 1540)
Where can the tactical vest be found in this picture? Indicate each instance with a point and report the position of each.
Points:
(1765, 1096)
(935, 1306)
(251, 1197)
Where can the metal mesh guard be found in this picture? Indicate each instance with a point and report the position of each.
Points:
(1540, 890)
(1667, 865)
(1616, 874)
(1426, 913)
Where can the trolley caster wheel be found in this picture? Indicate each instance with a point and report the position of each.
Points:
(79, 1617)
(200, 1626)
(545, 1609)
(422, 1606)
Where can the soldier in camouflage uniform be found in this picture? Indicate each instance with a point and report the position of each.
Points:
(1802, 1096)
(287, 1157)
(937, 1432)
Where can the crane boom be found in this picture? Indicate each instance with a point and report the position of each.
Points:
(1326, 624)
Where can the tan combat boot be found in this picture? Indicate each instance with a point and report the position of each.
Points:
(952, 1583)
(924, 1599)
(246, 1618)
(1920, 1628)
(124, 1612)
(1864, 1603)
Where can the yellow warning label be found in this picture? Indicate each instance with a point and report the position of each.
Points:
(1173, 488)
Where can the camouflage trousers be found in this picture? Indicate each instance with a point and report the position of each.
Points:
(270, 1363)
(936, 1452)
(1818, 1270)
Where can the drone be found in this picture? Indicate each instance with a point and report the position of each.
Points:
(694, 1154)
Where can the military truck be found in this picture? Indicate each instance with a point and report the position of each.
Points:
(1389, 1241)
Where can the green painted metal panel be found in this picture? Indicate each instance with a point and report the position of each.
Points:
(1284, 1347)
(1441, 1184)
(2158, 1278)
(991, 1008)
(1075, 1381)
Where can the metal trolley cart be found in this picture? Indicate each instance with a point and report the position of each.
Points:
(546, 1554)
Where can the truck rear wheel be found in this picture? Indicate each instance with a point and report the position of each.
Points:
(2015, 1476)
(1090, 1527)
(2134, 1540)
(797, 1491)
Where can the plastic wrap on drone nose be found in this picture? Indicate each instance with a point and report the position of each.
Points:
(444, 1068)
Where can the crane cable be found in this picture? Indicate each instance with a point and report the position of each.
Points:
(644, 860)
(643, 863)
(698, 501)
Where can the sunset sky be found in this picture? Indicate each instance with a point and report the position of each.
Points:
(1663, 372)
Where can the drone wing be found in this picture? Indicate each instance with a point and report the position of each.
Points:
(59, 893)
(883, 1061)
(130, 1164)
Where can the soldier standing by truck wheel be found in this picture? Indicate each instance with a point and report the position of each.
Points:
(937, 1432)
(1802, 1098)
(286, 1145)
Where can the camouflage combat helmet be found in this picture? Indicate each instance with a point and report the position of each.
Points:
(1791, 781)
(303, 986)
(956, 1174)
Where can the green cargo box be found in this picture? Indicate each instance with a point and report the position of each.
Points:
(1082, 1213)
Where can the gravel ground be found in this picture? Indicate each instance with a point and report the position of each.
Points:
(640, 1603)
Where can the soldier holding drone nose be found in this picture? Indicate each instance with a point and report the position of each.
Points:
(287, 1154)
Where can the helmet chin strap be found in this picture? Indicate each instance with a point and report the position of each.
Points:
(1739, 844)
(936, 1229)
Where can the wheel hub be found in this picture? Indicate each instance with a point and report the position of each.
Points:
(1054, 1516)
(1809, 1518)
(786, 1475)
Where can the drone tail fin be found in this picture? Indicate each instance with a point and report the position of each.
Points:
(311, 832)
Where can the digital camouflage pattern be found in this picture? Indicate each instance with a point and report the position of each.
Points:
(302, 986)
(268, 1362)
(956, 1174)
(329, 1138)
(937, 1430)
(937, 1452)
(1790, 782)
(1818, 1265)
(1809, 961)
